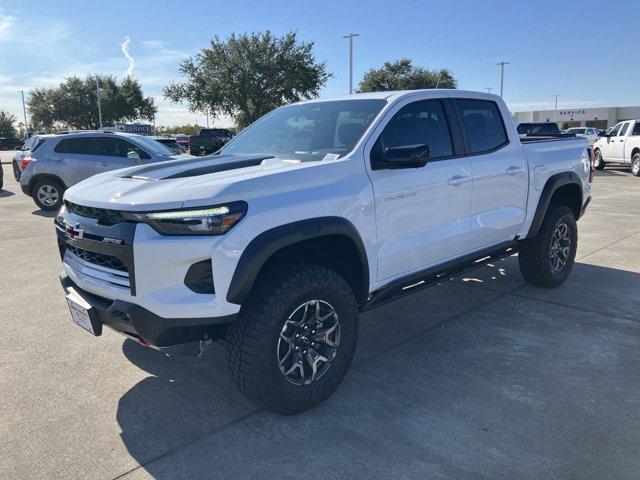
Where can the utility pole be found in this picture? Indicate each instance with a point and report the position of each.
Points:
(489, 89)
(350, 37)
(502, 64)
(24, 110)
(99, 106)
(555, 109)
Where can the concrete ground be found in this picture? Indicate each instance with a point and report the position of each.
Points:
(482, 377)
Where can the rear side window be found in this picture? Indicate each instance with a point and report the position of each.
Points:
(39, 142)
(420, 123)
(483, 124)
(636, 129)
(81, 146)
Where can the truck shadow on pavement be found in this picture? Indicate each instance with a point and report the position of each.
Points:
(483, 376)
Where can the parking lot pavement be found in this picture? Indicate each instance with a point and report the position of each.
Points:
(480, 377)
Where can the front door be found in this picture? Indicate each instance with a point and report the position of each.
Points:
(616, 146)
(607, 145)
(111, 153)
(422, 213)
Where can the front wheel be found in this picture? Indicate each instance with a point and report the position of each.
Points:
(294, 338)
(47, 194)
(547, 259)
(598, 161)
(635, 165)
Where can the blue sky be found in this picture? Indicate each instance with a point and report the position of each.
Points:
(555, 47)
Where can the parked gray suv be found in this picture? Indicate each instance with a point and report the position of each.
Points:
(62, 160)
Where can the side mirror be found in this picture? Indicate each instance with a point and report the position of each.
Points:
(406, 156)
(134, 157)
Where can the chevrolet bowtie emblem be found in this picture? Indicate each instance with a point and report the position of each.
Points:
(74, 232)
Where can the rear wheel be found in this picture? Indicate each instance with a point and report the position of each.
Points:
(294, 338)
(547, 259)
(48, 193)
(635, 165)
(16, 171)
(598, 161)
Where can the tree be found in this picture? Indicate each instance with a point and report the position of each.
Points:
(246, 76)
(74, 103)
(403, 75)
(565, 126)
(7, 128)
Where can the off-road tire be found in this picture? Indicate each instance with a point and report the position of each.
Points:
(598, 161)
(252, 351)
(51, 182)
(535, 255)
(635, 165)
(17, 173)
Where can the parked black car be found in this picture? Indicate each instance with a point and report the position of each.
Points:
(537, 128)
(1, 177)
(208, 140)
(170, 143)
(10, 143)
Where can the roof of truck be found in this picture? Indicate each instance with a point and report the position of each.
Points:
(400, 93)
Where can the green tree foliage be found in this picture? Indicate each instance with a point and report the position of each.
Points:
(565, 126)
(73, 104)
(248, 75)
(7, 121)
(403, 75)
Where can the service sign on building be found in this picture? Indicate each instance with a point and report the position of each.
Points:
(134, 128)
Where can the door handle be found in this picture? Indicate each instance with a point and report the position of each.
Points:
(513, 170)
(456, 180)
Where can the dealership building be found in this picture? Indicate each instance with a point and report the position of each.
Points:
(603, 117)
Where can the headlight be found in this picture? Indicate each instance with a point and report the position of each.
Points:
(216, 220)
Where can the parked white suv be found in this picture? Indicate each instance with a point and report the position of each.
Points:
(621, 145)
(56, 162)
(316, 212)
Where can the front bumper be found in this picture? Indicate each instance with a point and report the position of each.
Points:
(177, 336)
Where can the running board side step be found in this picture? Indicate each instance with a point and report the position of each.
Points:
(437, 274)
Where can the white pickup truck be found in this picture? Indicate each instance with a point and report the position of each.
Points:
(318, 211)
(621, 145)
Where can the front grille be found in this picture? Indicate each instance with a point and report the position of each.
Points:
(99, 259)
(103, 215)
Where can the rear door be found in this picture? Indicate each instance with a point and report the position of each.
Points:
(422, 214)
(498, 202)
(73, 159)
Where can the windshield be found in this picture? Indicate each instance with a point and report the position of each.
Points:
(308, 131)
(153, 145)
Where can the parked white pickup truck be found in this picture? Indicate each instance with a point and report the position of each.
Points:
(620, 145)
(318, 211)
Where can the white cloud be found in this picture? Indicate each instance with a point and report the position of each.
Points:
(125, 49)
(155, 44)
(6, 22)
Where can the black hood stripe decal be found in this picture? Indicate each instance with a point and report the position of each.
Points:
(193, 167)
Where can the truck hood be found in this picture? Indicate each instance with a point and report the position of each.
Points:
(172, 184)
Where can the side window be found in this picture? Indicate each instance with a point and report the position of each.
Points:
(636, 129)
(419, 123)
(623, 129)
(116, 147)
(483, 123)
(616, 129)
(81, 146)
(132, 147)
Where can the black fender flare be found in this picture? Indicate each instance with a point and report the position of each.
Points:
(553, 183)
(262, 247)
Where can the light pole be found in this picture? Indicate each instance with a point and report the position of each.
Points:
(502, 64)
(99, 106)
(350, 37)
(24, 110)
(555, 109)
(489, 89)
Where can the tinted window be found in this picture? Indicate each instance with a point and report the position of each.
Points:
(483, 124)
(577, 131)
(113, 147)
(537, 128)
(636, 129)
(419, 123)
(82, 146)
(30, 143)
(623, 130)
(307, 131)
